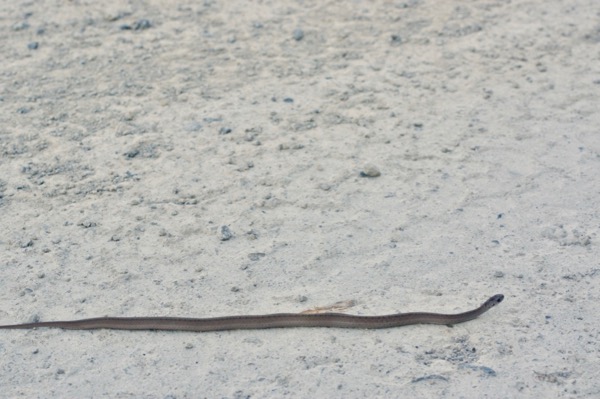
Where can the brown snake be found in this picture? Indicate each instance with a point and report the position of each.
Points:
(278, 320)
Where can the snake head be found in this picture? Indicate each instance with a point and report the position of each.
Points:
(493, 301)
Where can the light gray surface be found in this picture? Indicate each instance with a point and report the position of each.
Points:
(117, 173)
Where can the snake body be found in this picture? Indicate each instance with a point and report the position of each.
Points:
(277, 320)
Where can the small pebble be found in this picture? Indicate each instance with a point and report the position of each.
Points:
(142, 24)
(396, 40)
(33, 45)
(254, 256)
(193, 126)
(225, 234)
(25, 244)
(370, 170)
(86, 224)
(298, 34)
(430, 377)
(132, 154)
(20, 26)
(251, 235)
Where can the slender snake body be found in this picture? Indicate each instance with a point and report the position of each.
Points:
(278, 320)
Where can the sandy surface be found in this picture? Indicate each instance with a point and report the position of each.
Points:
(207, 158)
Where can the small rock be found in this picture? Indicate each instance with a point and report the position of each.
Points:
(298, 34)
(132, 153)
(25, 244)
(225, 234)
(86, 224)
(370, 170)
(396, 40)
(193, 126)
(430, 377)
(142, 24)
(251, 235)
(21, 26)
(212, 119)
(254, 256)
(33, 45)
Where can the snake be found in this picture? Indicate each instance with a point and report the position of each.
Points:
(276, 320)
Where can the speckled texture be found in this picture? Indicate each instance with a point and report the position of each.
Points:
(209, 158)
